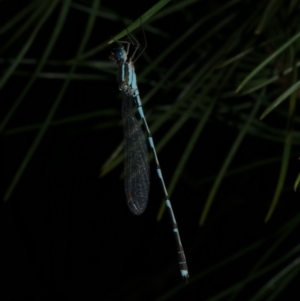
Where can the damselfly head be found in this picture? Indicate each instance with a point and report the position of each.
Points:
(118, 55)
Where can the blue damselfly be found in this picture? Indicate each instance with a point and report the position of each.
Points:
(135, 148)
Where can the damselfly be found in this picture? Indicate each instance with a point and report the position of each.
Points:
(135, 148)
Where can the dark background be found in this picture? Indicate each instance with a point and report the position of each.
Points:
(67, 234)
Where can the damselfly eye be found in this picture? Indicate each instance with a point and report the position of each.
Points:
(119, 53)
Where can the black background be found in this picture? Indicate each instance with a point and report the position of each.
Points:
(67, 234)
